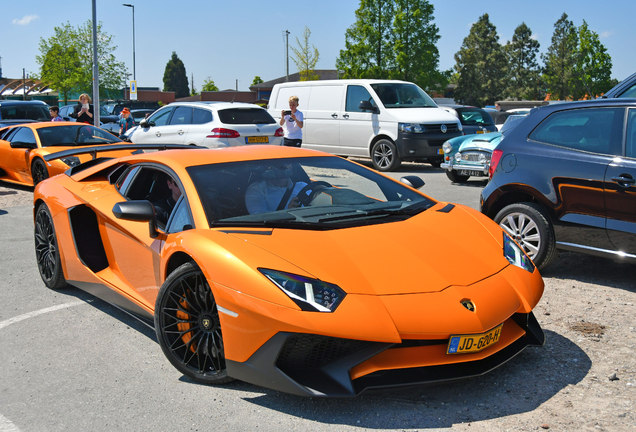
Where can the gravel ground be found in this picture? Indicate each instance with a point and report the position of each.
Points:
(583, 379)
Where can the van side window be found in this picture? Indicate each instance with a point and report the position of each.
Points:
(355, 95)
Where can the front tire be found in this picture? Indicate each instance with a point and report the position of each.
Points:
(188, 326)
(38, 171)
(47, 252)
(384, 156)
(529, 225)
(456, 178)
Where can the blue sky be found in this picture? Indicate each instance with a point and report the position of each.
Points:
(237, 40)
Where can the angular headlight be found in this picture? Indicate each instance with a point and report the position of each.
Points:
(411, 128)
(515, 255)
(447, 147)
(309, 294)
(71, 161)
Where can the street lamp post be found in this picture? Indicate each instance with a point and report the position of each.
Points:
(133, 16)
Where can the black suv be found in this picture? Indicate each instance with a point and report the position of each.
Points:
(564, 178)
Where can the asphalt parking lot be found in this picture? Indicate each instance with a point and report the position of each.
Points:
(72, 362)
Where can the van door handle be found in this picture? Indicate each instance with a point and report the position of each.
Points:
(346, 116)
(158, 133)
(624, 180)
(180, 132)
(334, 115)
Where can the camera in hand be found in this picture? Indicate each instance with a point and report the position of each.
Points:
(288, 112)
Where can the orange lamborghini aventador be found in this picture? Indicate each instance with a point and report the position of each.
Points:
(289, 268)
(23, 147)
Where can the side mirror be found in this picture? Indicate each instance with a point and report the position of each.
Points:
(24, 145)
(145, 123)
(139, 211)
(365, 105)
(412, 181)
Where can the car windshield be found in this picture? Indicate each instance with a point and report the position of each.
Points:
(236, 116)
(474, 117)
(302, 193)
(402, 95)
(511, 122)
(74, 135)
(25, 112)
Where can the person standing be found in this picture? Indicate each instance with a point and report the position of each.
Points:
(126, 122)
(84, 110)
(55, 113)
(293, 122)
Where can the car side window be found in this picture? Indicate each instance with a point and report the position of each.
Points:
(182, 115)
(180, 220)
(630, 144)
(24, 135)
(355, 95)
(596, 130)
(160, 118)
(201, 116)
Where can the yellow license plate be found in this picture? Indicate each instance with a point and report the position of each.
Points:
(480, 132)
(440, 151)
(257, 140)
(463, 344)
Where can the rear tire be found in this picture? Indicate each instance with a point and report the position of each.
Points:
(456, 178)
(384, 156)
(529, 225)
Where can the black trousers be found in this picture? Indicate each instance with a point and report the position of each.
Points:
(292, 142)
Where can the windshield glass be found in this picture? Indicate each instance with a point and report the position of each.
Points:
(25, 112)
(74, 135)
(305, 193)
(511, 122)
(402, 95)
(474, 117)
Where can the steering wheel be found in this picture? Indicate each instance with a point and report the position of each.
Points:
(307, 194)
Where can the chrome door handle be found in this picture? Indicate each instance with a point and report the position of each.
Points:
(180, 132)
(334, 115)
(346, 116)
(158, 133)
(624, 181)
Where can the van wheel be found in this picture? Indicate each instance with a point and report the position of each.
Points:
(384, 156)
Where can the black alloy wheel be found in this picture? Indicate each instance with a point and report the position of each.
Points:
(188, 326)
(384, 156)
(38, 171)
(46, 249)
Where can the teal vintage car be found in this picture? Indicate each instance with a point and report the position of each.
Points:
(469, 155)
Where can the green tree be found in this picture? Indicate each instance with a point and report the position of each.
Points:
(175, 78)
(559, 74)
(524, 71)
(481, 65)
(66, 60)
(414, 38)
(306, 57)
(368, 49)
(208, 85)
(594, 64)
(257, 80)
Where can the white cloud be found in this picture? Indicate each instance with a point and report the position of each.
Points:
(606, 34)
(26, 20)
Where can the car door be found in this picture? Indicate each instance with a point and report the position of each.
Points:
(179, 125)
(154, 132)
(357, 126)
(321, 129)
(17, 159)
(620, 193)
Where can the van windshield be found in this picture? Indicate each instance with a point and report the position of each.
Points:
(402, 95)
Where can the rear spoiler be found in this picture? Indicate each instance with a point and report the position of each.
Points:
(115, 147)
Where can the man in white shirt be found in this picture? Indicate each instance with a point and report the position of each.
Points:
(292, 120)
(275, 191)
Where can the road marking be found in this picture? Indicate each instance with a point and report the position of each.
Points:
(7, 425)
(25, 316)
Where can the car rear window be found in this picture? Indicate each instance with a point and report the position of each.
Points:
(245, 116)
(22, 112)
(474, 117)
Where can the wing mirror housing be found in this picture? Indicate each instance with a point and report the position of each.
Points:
(24, 145)
(139, 211)
(367, 106)
(412, 181)
(145, 123)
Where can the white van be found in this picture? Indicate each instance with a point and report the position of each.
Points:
(387, 121)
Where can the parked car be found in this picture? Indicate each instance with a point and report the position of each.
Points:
(210, 124)
(23, 149)
(387, 121)
(114, 107)
(499, 117)
(104, 116)
(16, 112)
(565, 178)
(327, 297)
(474, 120)
(469, 156)
(624, 89)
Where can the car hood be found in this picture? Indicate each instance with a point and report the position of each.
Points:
(419, 255)
(422, 115)
(487, 141)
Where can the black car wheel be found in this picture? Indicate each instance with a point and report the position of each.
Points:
(46, 249)
(38, 171)
(528, 224)
(435, 163)
(188, 326)
(456, 178)
(384, 156)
